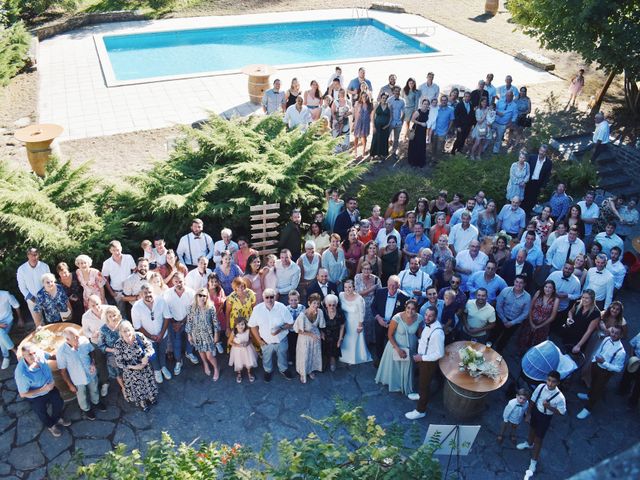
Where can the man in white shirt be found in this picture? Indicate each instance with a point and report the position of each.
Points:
(147, 317)
(198, 277)
(381, 238)
(287, 274)
(159, 251)
(547, 400)
(565, 248)
(589, 213)
(298, 115)
(568, 290)
(600, 280)
(430, 350)
(177, 301)
(608, 359)
(29, 277)
(92, 322)
(462, 234)
(600, 136)
(337, 74)
(470, 261)
(225, 244)
(133, 283)
(115, 271)
(617, 268)
(609, 239)
(429, 90)
(8, 305)
(414, 281)
(270, 323)
(194, 245)
(560, 231)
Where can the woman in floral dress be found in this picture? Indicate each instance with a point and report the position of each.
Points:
(543, 310)
(309, 346)
(518, 176)
(240, 303)
(202, 330)
(108, 337)
(90, 279)
(132, 354)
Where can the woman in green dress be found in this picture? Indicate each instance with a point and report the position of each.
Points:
(396, 366)
(381, 120)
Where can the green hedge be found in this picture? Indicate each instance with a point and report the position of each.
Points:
(14, 45)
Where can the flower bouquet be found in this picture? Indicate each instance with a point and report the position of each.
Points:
(473, 361)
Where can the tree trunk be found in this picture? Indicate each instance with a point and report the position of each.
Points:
(631, 95)
(595, 108)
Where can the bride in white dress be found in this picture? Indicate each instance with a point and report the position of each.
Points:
(354, 347)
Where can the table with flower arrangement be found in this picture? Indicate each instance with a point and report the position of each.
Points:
(472, 370)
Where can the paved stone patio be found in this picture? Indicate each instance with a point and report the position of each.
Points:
(72, 90)
(191, 406)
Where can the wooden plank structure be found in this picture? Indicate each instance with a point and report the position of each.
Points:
(263, 229)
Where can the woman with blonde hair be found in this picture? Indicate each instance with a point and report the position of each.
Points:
(90, 278)
(202, 330)
(157, 284)
(108, 335)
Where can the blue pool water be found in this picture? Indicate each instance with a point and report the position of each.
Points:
(183, 52)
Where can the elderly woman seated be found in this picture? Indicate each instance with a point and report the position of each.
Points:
(52, 304)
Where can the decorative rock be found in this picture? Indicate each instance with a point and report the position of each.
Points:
(6, 440)
(5, 421)
(61, 464)
(10, 384)
(29, 427)
(125, 435)
(52, 446)
(8, 396)
(92, 429)
(5, 468)
(40, 474)
(93, 448)
(26, 457)
(22, 122)
(138, 420)
(536, 59)
(112, 413)
(387, 7)
(18, 408)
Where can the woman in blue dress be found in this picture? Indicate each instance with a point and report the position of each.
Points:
(411, 95)
(335, 205)
(362, 123)
(518, 176)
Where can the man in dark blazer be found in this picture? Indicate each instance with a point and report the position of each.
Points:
(518, 266)
(464, 118)
(393, 297)
(540, 171)
(321, 285)
(291, 236)
(347, 218)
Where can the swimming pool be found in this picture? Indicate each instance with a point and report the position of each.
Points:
(140, 57)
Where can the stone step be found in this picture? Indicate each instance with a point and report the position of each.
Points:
(614, 182)
(632, 190)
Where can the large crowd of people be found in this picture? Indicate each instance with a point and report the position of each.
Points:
(393, 287)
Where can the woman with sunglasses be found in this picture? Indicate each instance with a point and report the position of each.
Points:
(202, 329)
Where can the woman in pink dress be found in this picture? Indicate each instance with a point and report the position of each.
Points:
(243, 253)
(313, 100)
(255, 276)
(269, 278)
(90, 278)
(575, 87)
(218, 297)
(542, 313)
(376, 220)
(353, 250)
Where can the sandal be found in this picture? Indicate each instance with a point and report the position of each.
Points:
(499, 439)
(252, 379)
(239, 378)
(216, 375)
(207, 372)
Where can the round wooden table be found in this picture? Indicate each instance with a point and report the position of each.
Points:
(258, 80)
(464, 395)
(38, 138)
(56, 329)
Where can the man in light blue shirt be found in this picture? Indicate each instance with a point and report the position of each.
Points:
(444, 123)
(559, 203)
(487, 279)
(568, 289)
(608, 239)
(34, 381)
(469, 207)
(512, 218)
(534, 254)
(589, 212)
(506, 115)
(433, 301)
(490, 88)
(396, 106)
(565, 248)
(273, 99)
(8, 305)
(512, 308)
(508, 87)
(416, 241)
(79, 372)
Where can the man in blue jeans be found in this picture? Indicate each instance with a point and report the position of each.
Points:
(177, 300)
(444, 123)
(506, 115)
(8, 305)
(35, 384)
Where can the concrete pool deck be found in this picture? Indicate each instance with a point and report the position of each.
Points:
(72, 91)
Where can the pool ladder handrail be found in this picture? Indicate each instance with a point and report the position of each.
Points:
(361, 12)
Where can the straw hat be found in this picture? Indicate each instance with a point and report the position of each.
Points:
(636, 244)
(633, 365)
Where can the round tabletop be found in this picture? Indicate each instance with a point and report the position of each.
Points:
(259, 70)
(38, 132)
(450, 366)
(51, 343)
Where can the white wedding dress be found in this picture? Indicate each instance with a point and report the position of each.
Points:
(354, 347)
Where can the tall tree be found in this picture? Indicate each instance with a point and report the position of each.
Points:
(605, 32)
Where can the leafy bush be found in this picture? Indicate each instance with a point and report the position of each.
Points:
(580, 176)
(14, 45)
(217, 172)
(355, 447)
(64, 214)
(381, 190)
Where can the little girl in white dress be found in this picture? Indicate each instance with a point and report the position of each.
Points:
(243, 354)
(433, 116)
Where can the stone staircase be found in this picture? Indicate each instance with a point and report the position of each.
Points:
(619, 170)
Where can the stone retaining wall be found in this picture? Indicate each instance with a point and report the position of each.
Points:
(82, 20)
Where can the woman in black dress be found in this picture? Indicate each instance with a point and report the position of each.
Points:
(381, 120)
(73, 289)
(418, 145)
(333, 332)
(582, 321)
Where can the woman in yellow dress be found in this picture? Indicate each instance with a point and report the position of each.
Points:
(240, 302)
(397, 209)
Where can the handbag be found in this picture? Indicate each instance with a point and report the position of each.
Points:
(482, 131)
(412, 133)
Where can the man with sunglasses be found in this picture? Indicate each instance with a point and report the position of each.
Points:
(270, 323)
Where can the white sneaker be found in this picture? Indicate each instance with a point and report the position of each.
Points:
(158, 375)
(220, 348)
(166, 373)
(178, 368)
(583, 396)
(193, 358)
(414, 396)
(415, 415)
(584, 413)
(104, 390)
(524, 446)
(5, 363)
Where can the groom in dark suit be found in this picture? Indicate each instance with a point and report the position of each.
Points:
(540, 171)
(518, 266)
(386, 303)
(321, 285)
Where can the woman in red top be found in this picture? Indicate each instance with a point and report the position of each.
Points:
(353, 250)
(243, 253)
(218, 297)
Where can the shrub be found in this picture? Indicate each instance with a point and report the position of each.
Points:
(14, 45)
(580, 176)
(217, 172)
(355, 447)
(381, 190)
